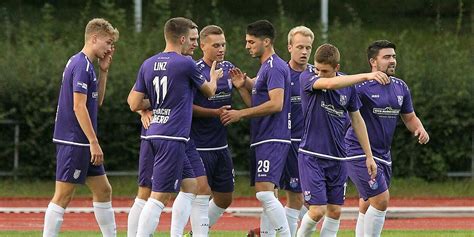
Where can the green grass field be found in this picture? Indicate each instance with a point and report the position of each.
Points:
(127, 187)
(387, 233)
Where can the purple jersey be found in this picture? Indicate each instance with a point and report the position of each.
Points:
(274, 73)
(78, 76)
(325, 117)
(296, 112)
(382, 105)
(168, 79)
(208, 132)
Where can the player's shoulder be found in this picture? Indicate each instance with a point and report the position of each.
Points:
(398, 81)
(78, 61)
(226, 65)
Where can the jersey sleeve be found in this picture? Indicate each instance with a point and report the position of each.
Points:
(81, 78)
(197, 79)
(354, 103)
(275, 79)
(140, 82)
(407, 106)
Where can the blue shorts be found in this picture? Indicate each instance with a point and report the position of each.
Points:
(73, 164)
(367, 187)
(219, 170)
(323, 181)
(267, 161)
(290, 179)
(195, 159)
(145, 164)
(169, 159)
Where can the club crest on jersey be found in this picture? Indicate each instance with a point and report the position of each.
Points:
(343, 100)
(373, 184)
(294, 182)
(76, 174)
(400, 99)
(307, 195)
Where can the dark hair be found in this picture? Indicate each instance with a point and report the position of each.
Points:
(261, 29)
(327, 54)
(177, 27)
(376, 46)
(210, 30)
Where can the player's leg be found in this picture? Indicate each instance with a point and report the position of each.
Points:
(378, 199)
(291, 184)
(200, 204)
(102, 200)
(145, 171)
(270, 160)
(220, 177)
(313, 184)
(71, 169)
(336, 178)
(166, 179)
(53, 218)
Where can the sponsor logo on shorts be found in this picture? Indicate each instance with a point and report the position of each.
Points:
(76, 174)
(307, 195)
(373, 184)
(294, 182)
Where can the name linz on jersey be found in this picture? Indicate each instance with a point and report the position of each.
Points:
(160, 66)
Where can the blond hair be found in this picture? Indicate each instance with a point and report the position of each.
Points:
(101, 26)
(210, 30)
(305, 31)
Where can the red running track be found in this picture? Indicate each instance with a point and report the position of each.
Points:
(86, 221)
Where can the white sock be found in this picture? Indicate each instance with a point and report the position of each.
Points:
(215, 213)
(266, 227)
(307, 227)
(149, 218)
(180, 213)
(53, 218)
(330, 227)
(105, 216)
(373, 222)
(303, 211)
(360, 225)
(275, 212)
(200, 216)
(133, 216)
(292, 217)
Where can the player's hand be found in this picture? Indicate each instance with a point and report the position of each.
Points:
(222, 109)
(105, 62)
(97, 156)
(371, 167)
(230, 116)
(147, 115)
(237, 77)
(422, 135)
(216, 74)
(380, 77)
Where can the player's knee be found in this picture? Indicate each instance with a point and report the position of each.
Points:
(62, 198)
(223, 202)
(295, 201)
(316, 213)
(103, 193)
(334, 212)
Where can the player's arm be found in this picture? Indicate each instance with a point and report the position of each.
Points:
(338, 82)
(104, 65)
(414, 125)
(199, 111)
(136, 100)
(208, 88)
(273, 105)
(243, 84)
(82, 115)
(360, 130)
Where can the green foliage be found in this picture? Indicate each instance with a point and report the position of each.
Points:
(434, 58)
